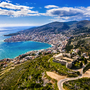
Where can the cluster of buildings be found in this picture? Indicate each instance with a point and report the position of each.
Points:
(24, 57)
(69, 58)
(58, 41)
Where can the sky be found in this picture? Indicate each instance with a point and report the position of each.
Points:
(40, 12)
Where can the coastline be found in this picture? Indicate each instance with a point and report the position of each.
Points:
(30, 50)
(36, 50)
(57, 44)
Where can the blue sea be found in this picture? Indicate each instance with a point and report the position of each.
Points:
(14, 49)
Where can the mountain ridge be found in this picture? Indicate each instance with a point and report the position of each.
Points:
(68, 28)
(56, 27)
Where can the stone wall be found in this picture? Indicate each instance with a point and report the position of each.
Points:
(68, 65)
(63, 62)
(60, 61)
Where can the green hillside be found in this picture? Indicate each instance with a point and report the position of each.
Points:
(31, 75)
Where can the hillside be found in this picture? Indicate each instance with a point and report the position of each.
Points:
(54, 27)
(78, 28)
(71, 22)
(31, 75)
(66, 28)
(80, 24)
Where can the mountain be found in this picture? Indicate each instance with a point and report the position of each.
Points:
(80, 24)
(57, 27)
(54, 27)
(71, 23)
(79, 27)
(67, 28)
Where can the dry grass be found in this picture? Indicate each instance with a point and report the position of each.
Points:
(87, 73)
(55, 76)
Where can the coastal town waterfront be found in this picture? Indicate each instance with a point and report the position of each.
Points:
(58, 42)
(64, 59)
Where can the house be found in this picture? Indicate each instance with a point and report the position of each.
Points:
(85, 56)
(29, 57)
(54, 51)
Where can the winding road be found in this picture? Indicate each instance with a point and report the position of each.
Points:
(60, 83)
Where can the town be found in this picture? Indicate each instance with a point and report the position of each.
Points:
(68, 57)
(58, 42)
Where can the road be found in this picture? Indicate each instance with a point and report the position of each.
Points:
(60, 83)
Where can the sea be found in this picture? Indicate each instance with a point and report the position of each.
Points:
(14, 49)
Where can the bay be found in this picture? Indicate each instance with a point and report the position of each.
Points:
(11, 50)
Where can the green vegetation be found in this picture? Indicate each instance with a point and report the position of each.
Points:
(81, 42)
(87, 67)
(27, 76)
(31, 75)
(53, 80)
(69, 46)
(79, 63)
(80, 84)
(62, 70)
(81, 30)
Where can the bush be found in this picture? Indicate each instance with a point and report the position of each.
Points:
(87, 67)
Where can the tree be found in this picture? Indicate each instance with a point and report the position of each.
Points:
(81, 64)
(82, 58)
(79, 53)
(85, 61)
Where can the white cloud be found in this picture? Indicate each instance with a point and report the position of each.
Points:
(56, 12)
(64, 11)
(16, 10)
(12, 6)
(68, 13)
(18, 13)
(51, 6)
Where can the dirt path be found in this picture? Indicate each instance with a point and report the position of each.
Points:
(67, 59)
(87, 73)
(55, 76)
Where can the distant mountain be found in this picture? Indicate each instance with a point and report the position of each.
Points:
(54, 27)
(80, 24)
(70, 27)
(71, 22)
(80, 27)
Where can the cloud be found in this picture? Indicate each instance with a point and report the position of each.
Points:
(10, 9)
(18, 13)
(64, 11)
(69, 13)
(51, 6)
(12, 6)
(56, 12)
